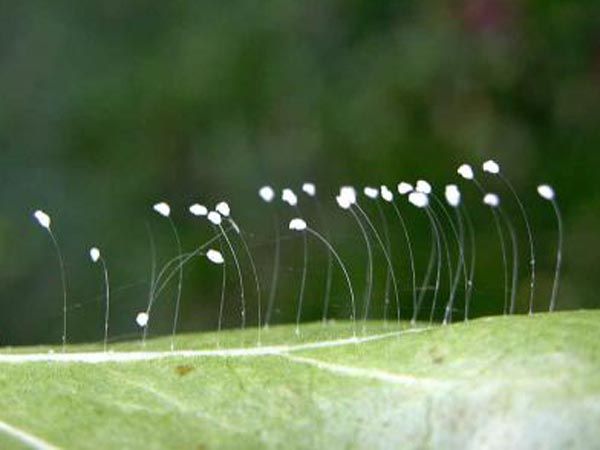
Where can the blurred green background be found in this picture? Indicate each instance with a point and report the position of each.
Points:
(107, 107)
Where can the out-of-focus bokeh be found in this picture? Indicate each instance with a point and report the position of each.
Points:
(109, 106)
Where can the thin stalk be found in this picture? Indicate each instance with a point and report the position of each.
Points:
(256, 279)
(530, 239)
(107, 310)
(240, 278)
(303, 278)
(152, 279)
(438, 247)
(343, 267)
(369, 285)
(502, 245)
(515, 254)
(412, 261)
(275, 275)
(63, 278)
(558, 256)
(223, 282)
(428, 272)
(446, 247)
(471, 234)
(329, 273)
(388, 247)
(460, 265)
(182, 260)
(179, 284)
(387, 258)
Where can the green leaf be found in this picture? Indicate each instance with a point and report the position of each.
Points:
(498, 382)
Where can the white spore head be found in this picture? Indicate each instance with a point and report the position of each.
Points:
(267, 193)
(466, 171)
(371, 192)
(491, 200)
(297, 224)
(404, 188)
(349, 193)
(386, 194)
(452, 195)
(163, 209)
(342, 201)
(309, 189)
(215, 256)
(94, 254)
(215, 218)
(288, 196)
(423, 186)
(223, 209)
(42, 218)
(546, 191)
(142, 319)
(198, 210)
(491, 166)
(418, 199)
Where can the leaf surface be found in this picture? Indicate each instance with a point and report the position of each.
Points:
(499, 382)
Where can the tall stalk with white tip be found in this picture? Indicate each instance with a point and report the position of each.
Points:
(388, 261)
(298, 224)
(223, 209)
(453, 198)
(267, 194)
(547, 193)
(199, 210)
(493, 168)
(421, 201)
(289, 197)
(45, 222)
(389, 197)
(374, 194)
(426, 188)
(164, 210)
(215, 218)
(96, 257)
(466, 171)
(345, 199)
(311, 190)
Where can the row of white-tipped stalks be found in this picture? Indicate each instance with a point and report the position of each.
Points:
(448, 208)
